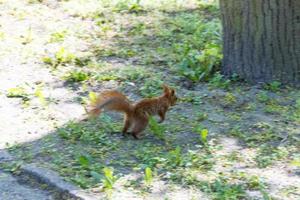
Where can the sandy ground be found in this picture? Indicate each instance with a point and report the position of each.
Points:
(20, 66)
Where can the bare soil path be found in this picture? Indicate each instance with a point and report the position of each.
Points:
(25, 32)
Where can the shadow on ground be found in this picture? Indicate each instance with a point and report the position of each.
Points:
(241, 140)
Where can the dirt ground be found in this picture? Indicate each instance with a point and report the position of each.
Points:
(252, 150)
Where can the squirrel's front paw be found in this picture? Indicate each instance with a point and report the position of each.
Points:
(136, 136)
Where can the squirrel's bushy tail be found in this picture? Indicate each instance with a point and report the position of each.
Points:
(110, 100)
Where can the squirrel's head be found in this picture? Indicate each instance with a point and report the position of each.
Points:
(170, 94)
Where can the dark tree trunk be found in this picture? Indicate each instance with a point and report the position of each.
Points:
(262, 40)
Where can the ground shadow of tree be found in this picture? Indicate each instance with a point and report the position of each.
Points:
(78, 150)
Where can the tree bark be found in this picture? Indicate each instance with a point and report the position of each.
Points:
(262, 40)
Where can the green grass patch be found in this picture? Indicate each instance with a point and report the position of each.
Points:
(268, 155)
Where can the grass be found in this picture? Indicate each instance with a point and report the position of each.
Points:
(192, 50)
(77, 76)
(148, 176)
(267, 155)
(136, 46)
(157, 129)
(17, 92)
(58, 36)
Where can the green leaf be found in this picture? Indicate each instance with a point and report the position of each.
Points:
(204, 134)
(148, 175)
(40, 95)
(109, 180)
(157, 129)
(84, 160)
(92, 97)
(296, 163)
(96, 176)
(16, 92)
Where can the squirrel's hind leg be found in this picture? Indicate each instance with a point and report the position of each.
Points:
(127, 124)
(139, 126)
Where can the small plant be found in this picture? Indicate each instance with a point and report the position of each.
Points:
(71, 131)
(254, 183)
(263, 97)
(48, 60)
(134, 74)
(98, 177)
(198, 128)
(127, 6)
(17, 92)
(200, 66)
(148, 176)
(262, 135)
(86, 61)
(61, 57)
(80, 180)
(106, 76)
(191, 98)
(151, 88)
(273, 86)
(204, 134)
(201, 116)
(40, 95)
(135, 7)
(198, 59)
(157, 129)
(34, 1)
(92, 97)
(218, 81)
(221, 189)
(234, 156)
(21, 92)
(229, 99)
(137, 29)
(174, 157)
(84, 161)
(296, 163)
(211, 5)
(200, 160)
(109, 178)
(273, 108)
(15, 166)
(237, 132)
(267, 155)
(77, 76)
(57, 36)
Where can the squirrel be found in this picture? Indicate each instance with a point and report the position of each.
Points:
(136, 114)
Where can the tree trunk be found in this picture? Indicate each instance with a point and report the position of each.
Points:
(262, 40)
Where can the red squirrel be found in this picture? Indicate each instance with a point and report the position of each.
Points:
(136, 114)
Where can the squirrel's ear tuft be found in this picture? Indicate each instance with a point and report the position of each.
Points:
(166, 89)
(172, 92)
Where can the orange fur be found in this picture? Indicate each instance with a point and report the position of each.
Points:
(136, 115)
